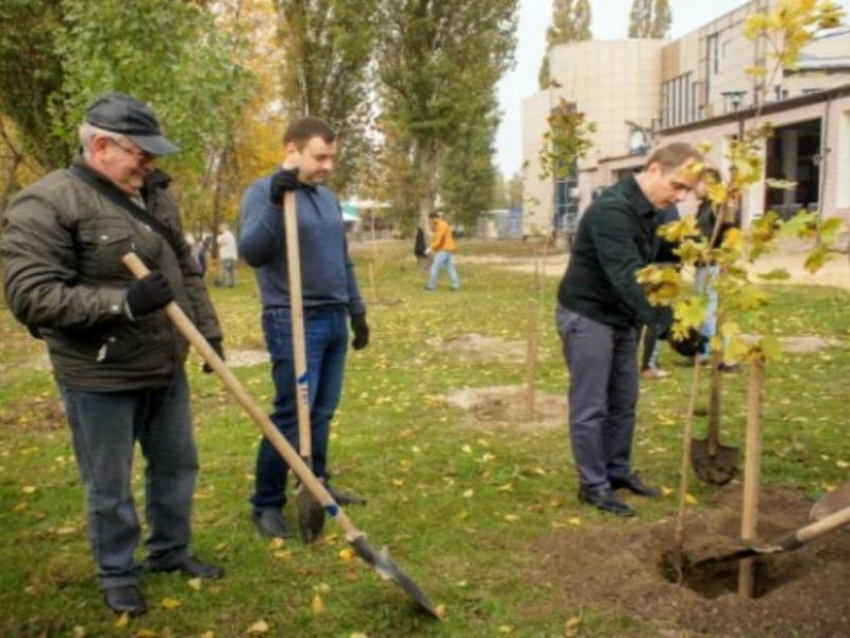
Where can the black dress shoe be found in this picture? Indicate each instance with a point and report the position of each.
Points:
(126, 599)
(271, 523)
(605, 500)
(635, 485)
(194, 568)
(344, 498)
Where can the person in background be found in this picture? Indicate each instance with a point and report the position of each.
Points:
(442, 245)
(117, 359)
(227, 253)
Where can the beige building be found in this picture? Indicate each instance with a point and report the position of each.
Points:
(644, 93)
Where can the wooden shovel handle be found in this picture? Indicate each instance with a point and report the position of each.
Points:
(296, 305)
(302, 471)
(823, 526)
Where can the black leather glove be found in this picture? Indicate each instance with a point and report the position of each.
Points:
(361, 332)
(691, 345)
(149, 293)
(286, 179)
(216, 345)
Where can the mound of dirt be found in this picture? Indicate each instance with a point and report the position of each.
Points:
(507, 406)
(628, 571)
(480, 348)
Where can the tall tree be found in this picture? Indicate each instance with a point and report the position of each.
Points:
(570, 23)
(327, 47)
(650, 19)
(439, 65)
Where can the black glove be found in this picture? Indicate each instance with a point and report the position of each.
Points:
(286, 179)
(219, 350)
(361, 332)
(149, 293)
(690, 346)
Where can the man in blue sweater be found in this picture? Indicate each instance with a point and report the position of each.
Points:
(331, 297)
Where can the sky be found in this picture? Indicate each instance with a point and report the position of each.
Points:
(610, 22)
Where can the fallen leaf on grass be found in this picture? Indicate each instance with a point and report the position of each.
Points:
(147, 633)
(441, 611)
(505, 629)
(842, 464)
(123, 621)
(259, 627)
(575, 520)
(316, 605)
(28, 489)
(690, 499)
(666, 491)
(571, 627)
(79, 632)
(507, 487)
(208, 634)
(511, 518)
(194, 583)
(358, 635)
(282, 554)
(346, 554)
(170, 603)
(276, 543)
(469, 493)
(398, 482)
(467, 449)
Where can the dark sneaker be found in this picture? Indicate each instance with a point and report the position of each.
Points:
(126, 599)
(193, 567)
(605, 500)
(635, 485)
(271, 523)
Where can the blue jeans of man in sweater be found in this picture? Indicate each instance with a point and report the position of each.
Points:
(326, 336)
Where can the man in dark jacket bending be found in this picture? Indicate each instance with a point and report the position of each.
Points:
(600, 309)
(118, 362)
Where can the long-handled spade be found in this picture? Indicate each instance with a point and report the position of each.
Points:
(311, 515)
(381, 561)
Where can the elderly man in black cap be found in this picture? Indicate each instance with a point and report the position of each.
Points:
(117, 361)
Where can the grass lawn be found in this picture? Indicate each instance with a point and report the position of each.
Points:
(458, 505)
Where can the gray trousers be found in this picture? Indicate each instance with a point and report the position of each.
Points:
(602, 398)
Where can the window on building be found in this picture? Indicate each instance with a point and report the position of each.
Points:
(679, 96)
(566, 202)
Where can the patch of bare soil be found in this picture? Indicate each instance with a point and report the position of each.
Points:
(507, 406)
(39, 413)
(802, 593)
(480, 348)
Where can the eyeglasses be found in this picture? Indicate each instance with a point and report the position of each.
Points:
(143, 157)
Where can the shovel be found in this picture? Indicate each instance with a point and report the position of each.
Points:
(311, 515)
(713, 462)
(837, 499)
(380, 561)
(789, 542)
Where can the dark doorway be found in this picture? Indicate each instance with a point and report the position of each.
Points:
(793, 154)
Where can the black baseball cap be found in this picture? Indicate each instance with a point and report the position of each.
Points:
(132, 118)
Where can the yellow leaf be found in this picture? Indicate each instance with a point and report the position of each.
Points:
(123, 621)
(170, 603)
(276, 543)
(511, 518)
(28, 489)
(505, 629)
(666, 491)
(79, 632)
(469, 493)
(690, 500)
(316, 605)
(575, 520)
(507, 487)
(208, 634)
(467, 449)
(194, 583)
(397, 482)
(540, 471)
(346, 554)
(842, 464)
(441, 611)
(259, 627)
(282, 554)
(571, 627)
(145, 633)
(358, 634)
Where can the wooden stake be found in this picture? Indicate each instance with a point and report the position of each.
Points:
(531, 357)
(687, 439)
(752, 475)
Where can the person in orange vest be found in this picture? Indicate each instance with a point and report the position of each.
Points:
(442, 245)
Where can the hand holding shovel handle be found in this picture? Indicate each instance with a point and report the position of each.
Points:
(382, 563)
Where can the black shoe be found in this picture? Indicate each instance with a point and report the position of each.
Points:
(634, 483)
(345, 498)
(126, 599)
(728, 367)
(194, 568)
(271, 523)
(605, 500)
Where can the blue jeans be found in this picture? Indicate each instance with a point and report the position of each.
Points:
(703, 282)
(105, 427)
(602, 397)
(326, 336)
(443, 259)
(228, 272)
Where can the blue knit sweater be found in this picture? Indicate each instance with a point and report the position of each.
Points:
(327, 273)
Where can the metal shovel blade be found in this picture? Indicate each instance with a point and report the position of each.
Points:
(715, 469)
(388, 570)
(311, 515)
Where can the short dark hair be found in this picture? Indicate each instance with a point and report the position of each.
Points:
(712, 174)
(434, 214)
(672, 156)
(304, 129)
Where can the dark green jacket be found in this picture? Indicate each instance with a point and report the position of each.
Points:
(61, 252)
(614, 241)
